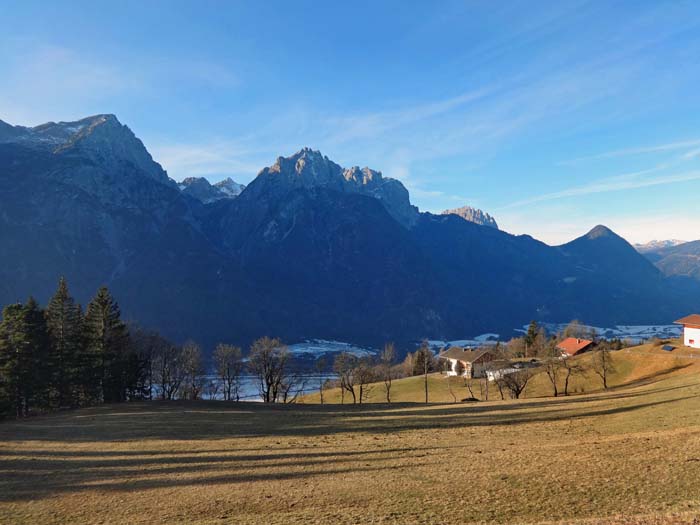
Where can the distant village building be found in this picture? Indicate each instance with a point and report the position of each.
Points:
(572, 346)
(467, 362)
(691, 330)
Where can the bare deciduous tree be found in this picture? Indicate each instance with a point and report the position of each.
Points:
(501, 385)
(320, 367)
(167, 369)
(344, 366)
(603, 364)
(193, 370)
(292, 387)
(469, 383)
(553, 368)
(268, 362)
(228, 361)
(571, 368)
(424, 360)
(516, 382)
(386, 368)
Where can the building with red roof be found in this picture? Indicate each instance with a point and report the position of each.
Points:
(572, 346)
(691, 330)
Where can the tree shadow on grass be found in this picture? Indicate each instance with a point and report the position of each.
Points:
(211, 420)
(29, 472)
(31, 482)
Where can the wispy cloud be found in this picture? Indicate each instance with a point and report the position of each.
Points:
(671, 146)
(211, 160)
(618, 183)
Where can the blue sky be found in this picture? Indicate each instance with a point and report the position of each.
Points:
(551, 116)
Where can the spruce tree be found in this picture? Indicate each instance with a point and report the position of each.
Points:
(531, 338)
(107, 347)
(23, 346)
(12, 352)
(38, 346)
(64, 320)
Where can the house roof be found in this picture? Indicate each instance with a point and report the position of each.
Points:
(692, 320)
(464, 354)
(572, 345)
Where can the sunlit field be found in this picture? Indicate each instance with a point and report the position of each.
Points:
(628, 455)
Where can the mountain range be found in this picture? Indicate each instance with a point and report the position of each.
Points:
(676, 258)
(308, 249)
(655, 246)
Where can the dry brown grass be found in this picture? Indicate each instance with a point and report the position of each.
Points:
(627, 456)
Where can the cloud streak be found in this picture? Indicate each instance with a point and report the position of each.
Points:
(659, 148)
(619, 183)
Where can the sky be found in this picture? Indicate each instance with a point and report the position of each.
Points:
(551, 116)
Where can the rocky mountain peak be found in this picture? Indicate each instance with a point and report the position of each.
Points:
(202, 190)
(364, 176)
(473, 215)
(600, 231)
(100, 138)
(309, 169)
(230, 187)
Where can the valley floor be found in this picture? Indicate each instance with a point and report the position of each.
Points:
(631, 455)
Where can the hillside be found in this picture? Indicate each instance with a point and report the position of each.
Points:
(566, 460)
(633, 365)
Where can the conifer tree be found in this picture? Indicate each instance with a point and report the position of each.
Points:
(12, 345)
(23, 343)
(64, 323)
(38, 345)
(107, 347)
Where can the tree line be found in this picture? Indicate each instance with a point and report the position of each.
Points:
(62, 356)
(358, 375)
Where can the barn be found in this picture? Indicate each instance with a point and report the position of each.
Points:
(691, 330)
(467, 362)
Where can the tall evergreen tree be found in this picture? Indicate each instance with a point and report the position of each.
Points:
(107, 347)
(38, 347)
(12, 351)
(23, 346)
(530, 339)
(64, 323)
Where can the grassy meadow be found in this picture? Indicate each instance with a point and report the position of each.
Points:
(638, 364)
(626, 456)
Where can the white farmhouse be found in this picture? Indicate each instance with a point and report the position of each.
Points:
(691, 330)
(467, 362)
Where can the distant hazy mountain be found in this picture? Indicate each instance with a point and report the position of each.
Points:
(678, 260)
(230, 187)
(307, 250)
(654, 246)
(473, 215)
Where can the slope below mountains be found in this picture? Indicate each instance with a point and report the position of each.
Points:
(308, 250)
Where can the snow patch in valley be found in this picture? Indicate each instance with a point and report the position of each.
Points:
(479, 340)
(319, 347)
